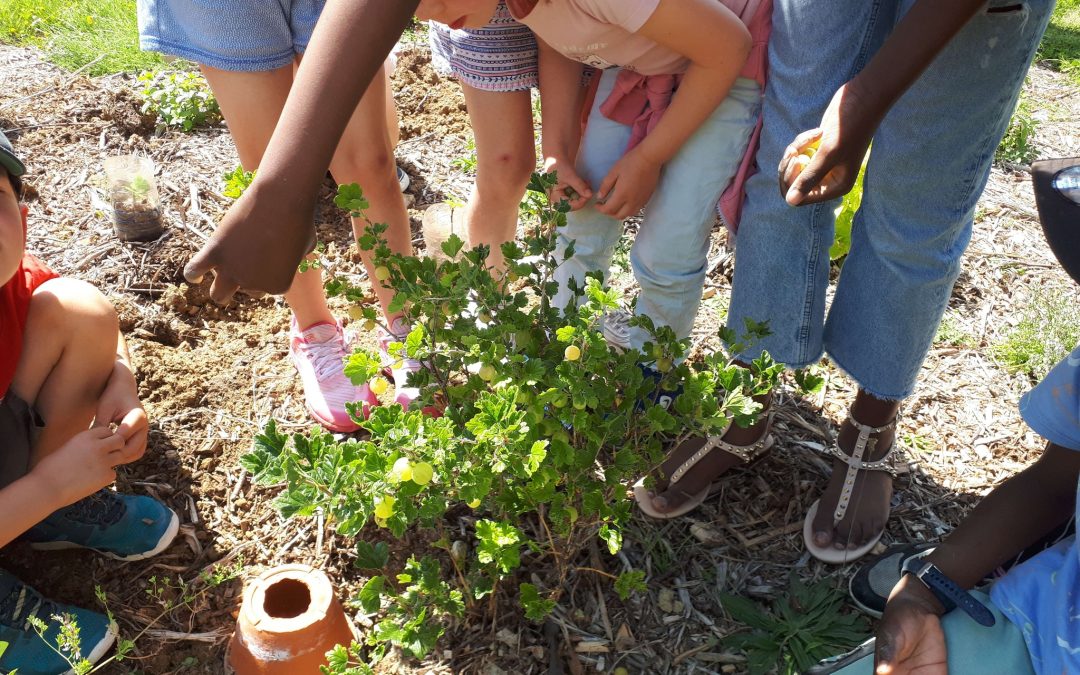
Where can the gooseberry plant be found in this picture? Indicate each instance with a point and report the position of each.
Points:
(543, 427)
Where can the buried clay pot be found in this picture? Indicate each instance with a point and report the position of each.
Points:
(288, 621)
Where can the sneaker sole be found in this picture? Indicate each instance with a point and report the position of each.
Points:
(162, 544)
(869, 611)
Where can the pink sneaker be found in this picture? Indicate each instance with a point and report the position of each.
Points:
(319, 353)
(398, 369)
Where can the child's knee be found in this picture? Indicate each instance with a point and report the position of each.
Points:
(507, 172)
(69, 307)
(367, 167)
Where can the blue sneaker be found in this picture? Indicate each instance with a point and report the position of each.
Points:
(22, 650)
(125, 527)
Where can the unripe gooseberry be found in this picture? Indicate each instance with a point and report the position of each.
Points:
(384, 507)
(487, 372)
(382, 272)
(356, 312)
(572, 353)
(422, 473)
(378, 385)
(402, 470)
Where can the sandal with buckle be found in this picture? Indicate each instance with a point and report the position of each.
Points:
(887, 463)
(747, 454)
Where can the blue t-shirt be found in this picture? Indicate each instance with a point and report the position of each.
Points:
(1042, 595)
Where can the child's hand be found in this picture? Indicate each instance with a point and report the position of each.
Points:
(258, 244)
(843, 138)
(571, 186)
(82, 466)
(119, 404)
(909, 637)
(628, 186)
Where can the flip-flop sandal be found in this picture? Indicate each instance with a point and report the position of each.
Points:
(855, 464)
(749, 454)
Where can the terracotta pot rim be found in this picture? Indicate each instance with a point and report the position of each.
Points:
(318, 586)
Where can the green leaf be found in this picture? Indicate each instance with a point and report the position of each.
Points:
(536, 456)
(536, 608)
(629, 583)
(369, 557)
(371, 594)
(351, 198)
(452, 246)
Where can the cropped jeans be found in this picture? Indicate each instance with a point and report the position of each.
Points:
(669, 254)
(930, 162)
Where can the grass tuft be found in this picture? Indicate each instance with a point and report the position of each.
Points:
(74, 33)
(1049, 328)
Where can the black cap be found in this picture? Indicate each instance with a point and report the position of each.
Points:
(8, 159)
(1057, 194)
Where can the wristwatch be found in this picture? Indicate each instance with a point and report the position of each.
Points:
(947, 591)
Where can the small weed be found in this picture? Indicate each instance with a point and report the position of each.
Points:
(1018, 145)
(802, 627)
(917, 443)
(1049, 328)
(950, 332)
(236, 182)
(467, 163)
(621, 258)
(179, 99)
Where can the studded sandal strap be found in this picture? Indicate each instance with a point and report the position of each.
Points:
(745, 453)
(855, 462)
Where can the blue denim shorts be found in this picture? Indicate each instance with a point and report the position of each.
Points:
(238, 35)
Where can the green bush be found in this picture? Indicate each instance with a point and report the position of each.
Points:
(1049, 328)
(544, 426)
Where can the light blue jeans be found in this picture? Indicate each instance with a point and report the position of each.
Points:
(669, 255)
(930, 162)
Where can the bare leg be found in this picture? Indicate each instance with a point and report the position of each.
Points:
(71, 338)
(505, 158)
(251, 103)
(392, 128)
(365, 156)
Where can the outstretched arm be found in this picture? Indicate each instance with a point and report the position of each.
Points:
(263, 237)
(858, 106)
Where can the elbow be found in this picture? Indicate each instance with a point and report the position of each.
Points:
(741, 42)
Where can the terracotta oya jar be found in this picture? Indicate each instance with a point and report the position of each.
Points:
(288, 621)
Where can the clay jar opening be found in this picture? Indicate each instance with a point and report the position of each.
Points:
(287, 599)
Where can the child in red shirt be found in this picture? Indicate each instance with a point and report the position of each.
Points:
(69, 414)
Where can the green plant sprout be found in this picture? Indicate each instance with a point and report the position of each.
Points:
(237, 182)
(179, 99)
(544, 425)
(167, 594)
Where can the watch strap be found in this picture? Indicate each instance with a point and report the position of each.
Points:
(947, 591)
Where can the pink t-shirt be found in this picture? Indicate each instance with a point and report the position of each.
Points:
(602, 33)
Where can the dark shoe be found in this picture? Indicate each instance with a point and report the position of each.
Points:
(872, 584)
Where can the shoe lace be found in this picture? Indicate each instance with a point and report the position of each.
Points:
(101, 508)
(616, 328)
(325, 357)
(23, 603)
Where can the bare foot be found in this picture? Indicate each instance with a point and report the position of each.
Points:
(868, 509)
(667, 498)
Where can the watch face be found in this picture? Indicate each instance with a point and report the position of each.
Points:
(1067, 184)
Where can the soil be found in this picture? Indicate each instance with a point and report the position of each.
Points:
(211, 377)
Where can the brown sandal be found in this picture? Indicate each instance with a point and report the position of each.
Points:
(747, 454)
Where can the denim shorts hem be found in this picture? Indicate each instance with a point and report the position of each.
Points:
(260, 64)
(882, 396)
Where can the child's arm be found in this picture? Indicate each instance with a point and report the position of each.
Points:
(77, 469)
(561, 98)
(1015, 515)
(859, 106)
(263, 237)
(717, 43)
(119, 404)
